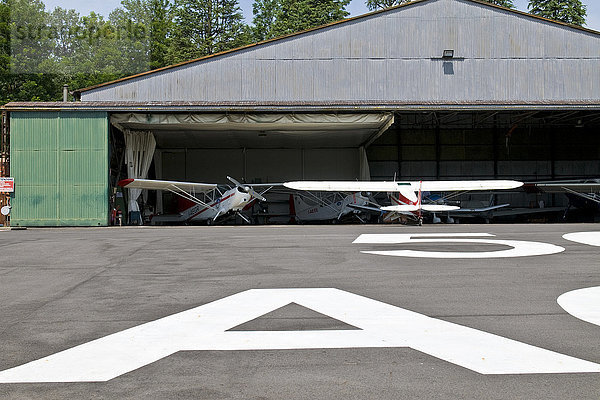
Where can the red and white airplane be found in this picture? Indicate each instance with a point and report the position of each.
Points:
(408, 194)
(209, 201)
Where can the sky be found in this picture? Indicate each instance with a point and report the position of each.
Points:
(356, 7)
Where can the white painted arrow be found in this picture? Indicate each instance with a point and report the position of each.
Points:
(205, 328)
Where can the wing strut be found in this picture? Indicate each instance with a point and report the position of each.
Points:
(188, 196)
(584, 195)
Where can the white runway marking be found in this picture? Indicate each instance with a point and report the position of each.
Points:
(517, 248)
(591, 238)
(583, 304)
(205, 328)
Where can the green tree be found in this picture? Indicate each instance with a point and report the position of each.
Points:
(97, 52)
(274, 18)
(61, 27)
(30, 39)
(204, 27)
(568, 11)
(41, 51)
(502, 3)
(152, 19)
(265, 14)
(380, 4)
(160, 28)
(4, 38)
(26, 52)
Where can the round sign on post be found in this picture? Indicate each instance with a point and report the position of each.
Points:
(5, 210)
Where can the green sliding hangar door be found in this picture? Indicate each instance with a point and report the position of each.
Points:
(59, 161)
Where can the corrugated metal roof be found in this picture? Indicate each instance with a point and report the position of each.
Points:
(391, 57)
(344, 21)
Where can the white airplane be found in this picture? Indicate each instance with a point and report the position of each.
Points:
(210, 201)
(409, 193)
(327, 208)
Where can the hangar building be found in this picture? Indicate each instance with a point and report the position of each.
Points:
(433, 89)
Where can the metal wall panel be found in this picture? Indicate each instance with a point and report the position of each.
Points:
(332, 164)
(500, 56)
(270, 165)
(60, 164)
(213, 165)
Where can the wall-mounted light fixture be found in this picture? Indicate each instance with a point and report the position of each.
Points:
(448, 54)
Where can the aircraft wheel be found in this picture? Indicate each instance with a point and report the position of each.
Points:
(420, 221)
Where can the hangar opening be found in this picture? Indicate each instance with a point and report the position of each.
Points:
(251, 147)
(528, 145)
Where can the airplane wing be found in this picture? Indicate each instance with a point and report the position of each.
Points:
(431, 186)
(346, 186)
(568, 186)
(167, 185)
(446, 186)
(586, 189)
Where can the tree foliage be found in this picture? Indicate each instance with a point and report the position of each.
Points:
(204, 27)
(381, 4)
(274, 18)
(568, 11)
(502, 3)
(41, 51)
(265, 14)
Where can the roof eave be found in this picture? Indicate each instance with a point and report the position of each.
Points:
(299, 106)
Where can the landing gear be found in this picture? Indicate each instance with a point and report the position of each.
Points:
(420, 222)
(244, 218)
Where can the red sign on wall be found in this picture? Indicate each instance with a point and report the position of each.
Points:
(7, 185)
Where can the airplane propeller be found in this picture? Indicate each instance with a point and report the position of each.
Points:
(247, 189)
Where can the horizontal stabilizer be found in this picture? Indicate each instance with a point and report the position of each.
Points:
(401, 208)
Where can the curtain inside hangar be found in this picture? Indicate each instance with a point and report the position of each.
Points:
(139, 150)
(257, 122)
(364, 170)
